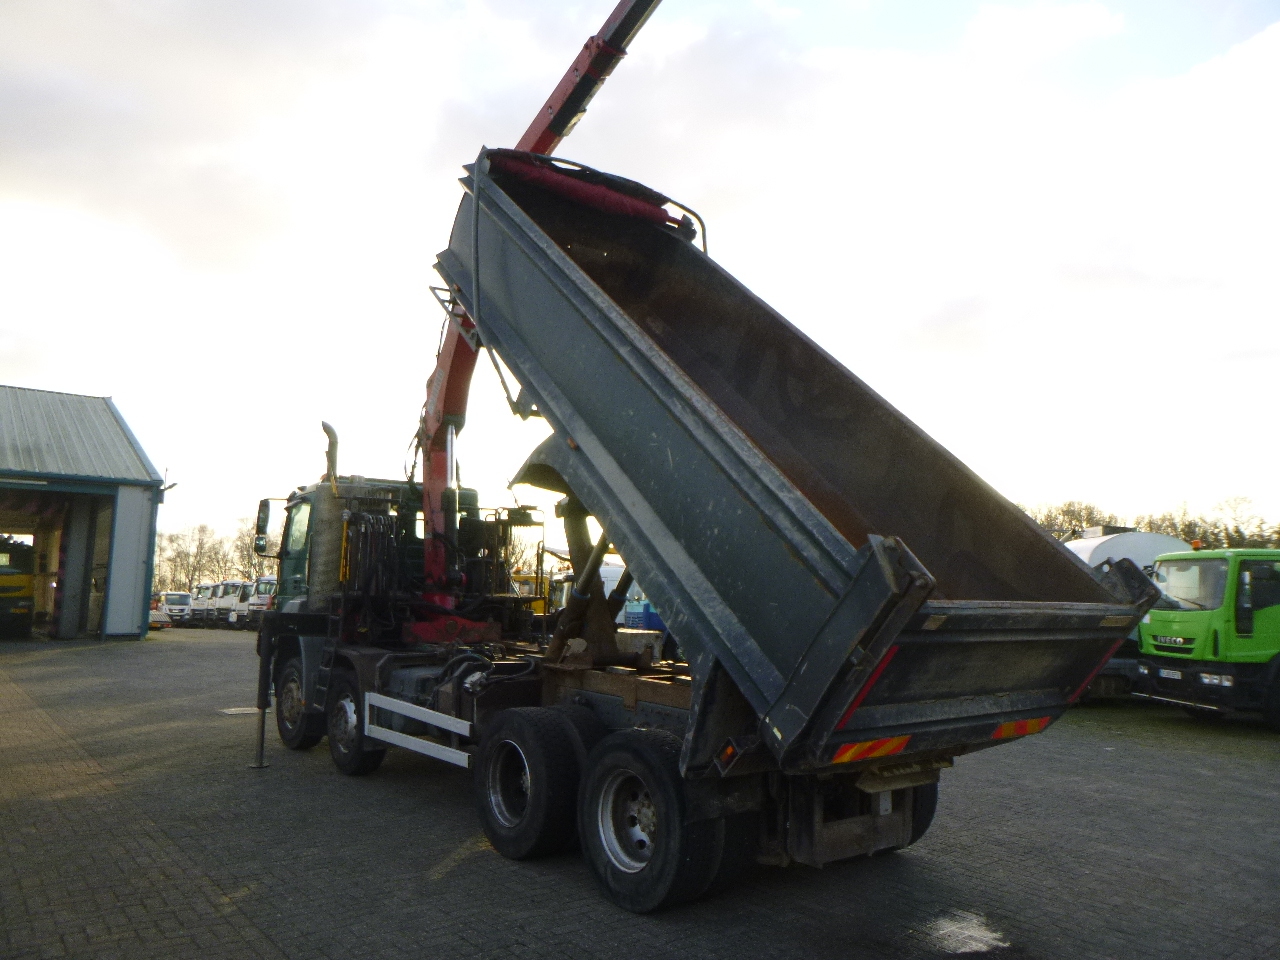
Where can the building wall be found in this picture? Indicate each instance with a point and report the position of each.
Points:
(129, 580)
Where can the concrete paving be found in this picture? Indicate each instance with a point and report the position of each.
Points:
(132, 827)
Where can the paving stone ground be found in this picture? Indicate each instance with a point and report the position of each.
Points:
(132, 827)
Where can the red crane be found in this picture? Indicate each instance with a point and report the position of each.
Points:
(450, 382)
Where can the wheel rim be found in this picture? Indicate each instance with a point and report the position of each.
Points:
(628, 821)
(507, 783)
(343, 727)
(289, 701)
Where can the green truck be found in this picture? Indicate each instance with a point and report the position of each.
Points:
(1212, 644)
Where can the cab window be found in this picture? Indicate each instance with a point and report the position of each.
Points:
(299, 518)
(1257, 589)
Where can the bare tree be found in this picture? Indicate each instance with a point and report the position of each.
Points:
(249, 565)
(184, 559)
(1068, 520)
(1235, 526)
(221, 564)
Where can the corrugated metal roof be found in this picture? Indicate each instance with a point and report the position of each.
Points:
(65, 434)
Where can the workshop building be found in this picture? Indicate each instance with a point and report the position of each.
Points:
(75, 482)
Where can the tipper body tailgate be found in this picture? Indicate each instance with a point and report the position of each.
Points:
(789, 522)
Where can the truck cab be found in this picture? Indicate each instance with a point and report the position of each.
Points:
(202, 604)
(176, 605)
(238, 615)
(17, 587)
(224, 599)
(1213, 645)
(260, 600)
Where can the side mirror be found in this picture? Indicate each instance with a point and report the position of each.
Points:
(264, 520)
(260, 545)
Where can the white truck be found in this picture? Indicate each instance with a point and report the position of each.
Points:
(202, 605)
(252, 601)
(176, 605)
(225, 596)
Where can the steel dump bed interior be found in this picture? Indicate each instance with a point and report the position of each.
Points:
(786, 519)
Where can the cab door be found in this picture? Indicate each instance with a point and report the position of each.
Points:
(293, 553)
(1257, 610)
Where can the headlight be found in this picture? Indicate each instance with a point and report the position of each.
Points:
(1218, 679)
(1144, 669)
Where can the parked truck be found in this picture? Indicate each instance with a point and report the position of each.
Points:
(854, 608)
(17, 587)
(259, 601)
(1213, 646)
(203, 604)
(224, 601)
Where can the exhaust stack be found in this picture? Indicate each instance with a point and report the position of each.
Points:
(331, 456)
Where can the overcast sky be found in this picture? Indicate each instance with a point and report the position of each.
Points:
(1046, 231)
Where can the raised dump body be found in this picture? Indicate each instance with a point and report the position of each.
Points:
(865, 591)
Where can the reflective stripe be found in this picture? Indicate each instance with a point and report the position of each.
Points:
(1020, 728)
(868, 749)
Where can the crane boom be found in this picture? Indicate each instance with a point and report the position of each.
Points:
(599, 55)
(450, 381)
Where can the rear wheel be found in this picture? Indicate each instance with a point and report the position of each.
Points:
(924, 804)
(738, 841)
(298, 729)
(588, 729)
(526, 780)
(346, 730)
(631, 822)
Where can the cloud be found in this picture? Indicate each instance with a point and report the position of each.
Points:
(1035, 33)
(135, 109)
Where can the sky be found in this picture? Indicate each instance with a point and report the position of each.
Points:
(1045, 231)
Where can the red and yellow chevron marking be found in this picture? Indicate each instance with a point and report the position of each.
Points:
(1020, 728)
(870, 748)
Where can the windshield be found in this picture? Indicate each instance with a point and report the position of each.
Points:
(177, 598)
(1195, 584)
(204, 592)
(266, 588)
(15, 557)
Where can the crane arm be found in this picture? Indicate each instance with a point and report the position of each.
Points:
(568, 102)
(450, 382)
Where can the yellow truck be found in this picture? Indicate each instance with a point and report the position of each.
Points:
(17, 588)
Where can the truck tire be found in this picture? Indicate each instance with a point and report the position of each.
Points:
(345, 727)
(924, 804)
(298, 729)
(631, 823)
(526, 782)
(588, 730)
(739, 840)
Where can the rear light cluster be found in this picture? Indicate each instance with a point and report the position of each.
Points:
(1218, 679)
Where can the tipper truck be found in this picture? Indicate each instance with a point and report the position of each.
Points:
(853, 607)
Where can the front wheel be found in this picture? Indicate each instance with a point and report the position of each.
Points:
(346, 729)
(631, 822)
(298, 729)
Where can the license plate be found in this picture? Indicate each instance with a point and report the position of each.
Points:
(1171, 674)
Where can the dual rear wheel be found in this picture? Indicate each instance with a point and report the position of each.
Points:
(546, 777)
